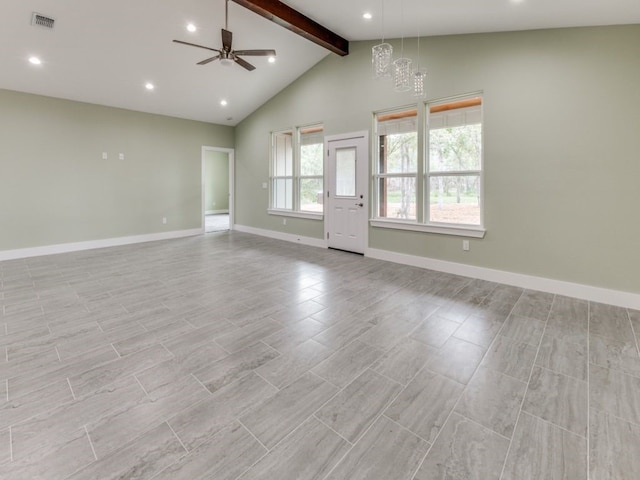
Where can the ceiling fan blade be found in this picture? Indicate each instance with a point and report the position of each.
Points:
(244, 63)
(208, 60)
(227, 38)
(196, 45)
(256, 53)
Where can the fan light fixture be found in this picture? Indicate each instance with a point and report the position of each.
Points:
(227, 55)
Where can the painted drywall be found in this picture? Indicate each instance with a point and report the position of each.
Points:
(561, 123)
(55, 187)
(216, 181)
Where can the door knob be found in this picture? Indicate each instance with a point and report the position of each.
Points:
(359, 204)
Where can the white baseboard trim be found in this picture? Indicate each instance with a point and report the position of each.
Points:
(287, 237)
(558, 287)
(215, 212)
(92, 244)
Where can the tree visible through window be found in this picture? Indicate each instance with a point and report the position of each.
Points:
(311, 169)
(297, 170)
(397, 165)
(443, 187)
(455, 163)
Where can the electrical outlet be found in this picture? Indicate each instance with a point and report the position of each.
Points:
(105, 156)
(121, 156)
(284, 221)
(465, 245)
(164, 220)
(264, 185)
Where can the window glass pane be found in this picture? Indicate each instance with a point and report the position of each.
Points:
(311, 195)
(282, 154)
(311, 159)
(399, 152)
(455, 148)
(455, 199)
(397, 197)
(283, 193)
(346, 172)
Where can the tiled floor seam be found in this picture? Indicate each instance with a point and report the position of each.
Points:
(463, 391)
(405, 428)
(609, 414)
(329, 427)
(279, 389)
(176, 435)
(258, 440)
(524, 396)
(542, 367)
(373, 422)
(71, 388)
(86, 430)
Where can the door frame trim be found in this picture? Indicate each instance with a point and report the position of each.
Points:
(231, 154)
(364, 134)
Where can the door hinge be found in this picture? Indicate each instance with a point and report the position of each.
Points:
(327, 235)
(327, 193)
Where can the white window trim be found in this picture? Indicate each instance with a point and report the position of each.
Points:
(295, 177)
(377, 175)
(460, 230)
(457, 230)
(295, 213)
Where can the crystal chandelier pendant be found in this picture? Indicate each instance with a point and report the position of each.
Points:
(402, 75)
(419, 76)
(381, 59)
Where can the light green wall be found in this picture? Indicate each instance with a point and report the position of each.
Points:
(216, 180)
(562, 143)
(55, 188)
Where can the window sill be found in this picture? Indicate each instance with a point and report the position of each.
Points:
(291, 213)
(474, 232)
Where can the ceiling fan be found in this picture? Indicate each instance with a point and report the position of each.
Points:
(228, 55)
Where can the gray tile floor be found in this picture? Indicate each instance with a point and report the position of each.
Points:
(238, 357)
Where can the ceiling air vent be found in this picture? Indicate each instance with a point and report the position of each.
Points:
(39, 20)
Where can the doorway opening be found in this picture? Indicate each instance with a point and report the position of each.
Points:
(217, 189)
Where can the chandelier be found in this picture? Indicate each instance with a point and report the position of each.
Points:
(404, 76)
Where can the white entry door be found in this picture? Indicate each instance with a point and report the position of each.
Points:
(347, 192)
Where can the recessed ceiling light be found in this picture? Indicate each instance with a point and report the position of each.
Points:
(272, 59)
(367, 16)
(223, 103)
(191, 27)
(35, 60)
(149, 86)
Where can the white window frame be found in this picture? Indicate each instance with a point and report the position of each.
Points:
(272, 171)
(378, 175)
(296, 177)
(422, 222)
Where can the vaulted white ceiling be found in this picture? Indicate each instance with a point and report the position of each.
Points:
(104, 52)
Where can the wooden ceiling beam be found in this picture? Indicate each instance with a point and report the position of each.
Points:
(295, 21)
